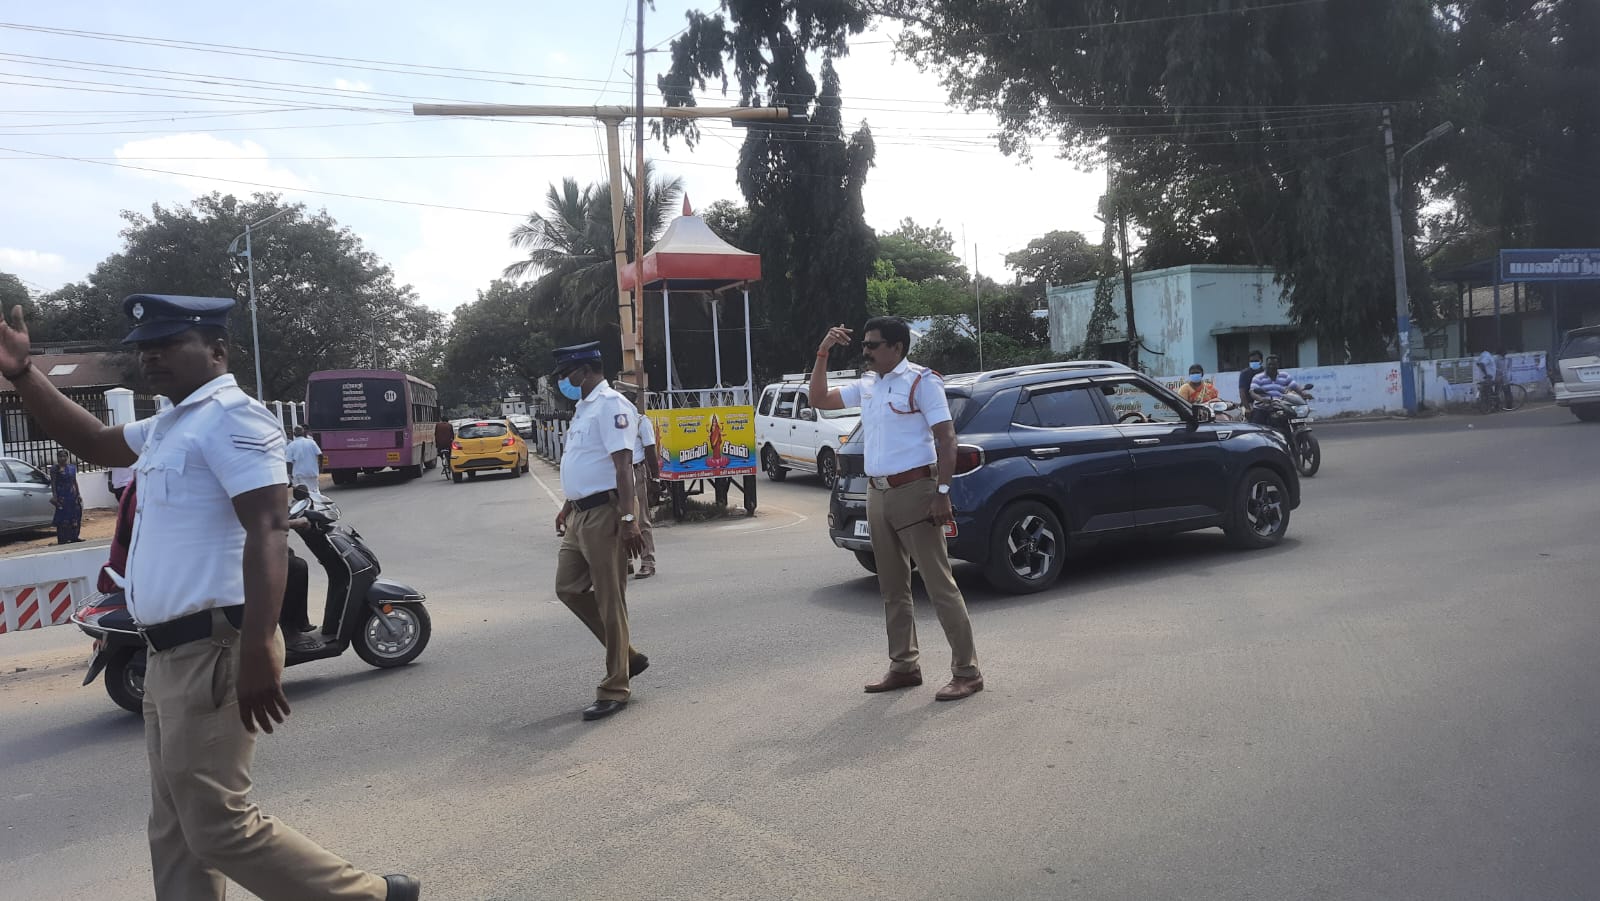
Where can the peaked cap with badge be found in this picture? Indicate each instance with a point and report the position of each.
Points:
(569, 358)
(157, 316)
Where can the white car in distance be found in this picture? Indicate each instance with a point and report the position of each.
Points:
(792, 434)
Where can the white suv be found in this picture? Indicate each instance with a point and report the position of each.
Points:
(795, 435)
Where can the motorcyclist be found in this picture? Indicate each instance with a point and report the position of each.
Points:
(1271, 384)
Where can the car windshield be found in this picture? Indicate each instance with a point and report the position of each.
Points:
(1581, 346)
(482, 430)
(841, 414)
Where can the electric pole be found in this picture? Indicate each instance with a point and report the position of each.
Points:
(977, 294)
(1402, 303)
(640, 203)
(1127, 271)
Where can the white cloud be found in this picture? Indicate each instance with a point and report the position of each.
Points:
(203, 162)
(347, 85)
(31, 263)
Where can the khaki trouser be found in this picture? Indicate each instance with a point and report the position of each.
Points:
(204, 829)
(641, 490)
(591, 579)
(898, 520)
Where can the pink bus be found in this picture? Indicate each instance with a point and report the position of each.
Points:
(368, 420)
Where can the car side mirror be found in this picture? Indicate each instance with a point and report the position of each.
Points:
(1203, 414)
(808, 414)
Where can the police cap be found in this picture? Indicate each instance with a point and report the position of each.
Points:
(569, 358)
(157, 316)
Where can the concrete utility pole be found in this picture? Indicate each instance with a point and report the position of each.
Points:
(633, 373)
(1127, 270)
(1402, 301)
(977, 295)
(640, 204)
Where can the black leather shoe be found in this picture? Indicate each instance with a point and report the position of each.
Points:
(637, 664)
(599, 710)
(403, 888)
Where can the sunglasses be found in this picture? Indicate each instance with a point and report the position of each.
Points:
(873, 345)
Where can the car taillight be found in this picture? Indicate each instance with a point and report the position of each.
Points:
(949, 530)
(455, 445)
(508, 442)
(968, 458)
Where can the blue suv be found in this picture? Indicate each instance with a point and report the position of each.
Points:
(1077, 452)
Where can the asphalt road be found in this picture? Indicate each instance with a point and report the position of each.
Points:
(1397, 703)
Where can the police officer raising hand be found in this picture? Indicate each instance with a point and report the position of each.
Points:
(205, 576)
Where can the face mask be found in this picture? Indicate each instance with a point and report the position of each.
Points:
(1196, 378)
(1255, 364)
(569, 390)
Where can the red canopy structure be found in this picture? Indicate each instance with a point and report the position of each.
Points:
(690, 257)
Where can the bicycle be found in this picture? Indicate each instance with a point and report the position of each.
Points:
(1506, 398)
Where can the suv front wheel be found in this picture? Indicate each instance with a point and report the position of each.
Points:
(1260, 512)
(769, 464)
(1026, 548)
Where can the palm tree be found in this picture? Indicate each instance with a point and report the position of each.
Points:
(570, 247)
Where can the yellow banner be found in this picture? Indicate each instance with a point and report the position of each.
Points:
(705, 442)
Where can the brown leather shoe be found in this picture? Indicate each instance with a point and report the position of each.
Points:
(960, 688)
(895, 680)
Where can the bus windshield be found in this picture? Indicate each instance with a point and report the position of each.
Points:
(356, 403)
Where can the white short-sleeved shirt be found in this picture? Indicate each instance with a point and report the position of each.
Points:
(306, 458)
(898, 433)
(187, 552)
(603, 425)
(646, 437)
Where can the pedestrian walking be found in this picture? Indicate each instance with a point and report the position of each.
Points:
(599, 523)
(910, 456)
(646, 471)
(66, 498)
(205, 574)
(305, 460)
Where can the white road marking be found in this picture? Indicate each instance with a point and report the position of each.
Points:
(553, 499)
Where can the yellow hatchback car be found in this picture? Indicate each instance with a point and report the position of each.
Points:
(485, 445)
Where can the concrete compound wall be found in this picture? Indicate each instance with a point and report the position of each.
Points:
(1371, 388)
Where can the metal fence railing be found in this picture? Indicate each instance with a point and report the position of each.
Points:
(25, 438)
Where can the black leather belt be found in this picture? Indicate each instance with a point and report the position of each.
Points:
(593, 500)
(193, 627)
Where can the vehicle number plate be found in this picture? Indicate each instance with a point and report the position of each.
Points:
(393, 457)
(1589, 374)
(863, 529)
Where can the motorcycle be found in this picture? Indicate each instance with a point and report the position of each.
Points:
(1291, 415)
(384, 621)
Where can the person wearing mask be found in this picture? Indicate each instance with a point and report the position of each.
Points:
(910, 458)
(1246, 376)
(67, 500)
(1195, 389)
(599, 523)
(205, 580)
(1271, 384)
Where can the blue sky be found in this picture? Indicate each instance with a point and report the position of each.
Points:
(57, 98)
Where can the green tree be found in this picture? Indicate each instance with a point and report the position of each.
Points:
(571, 248)
(921, 253)
(325, 301)
(13, 293)
(1055, 258)
(802, 182)
(730, 221)
(1257, 124)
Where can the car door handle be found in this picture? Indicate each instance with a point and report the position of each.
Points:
(1146, 441)
(1043, 451)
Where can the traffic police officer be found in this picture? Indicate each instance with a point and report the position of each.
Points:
(205, 575)
(910, 456)
(598, 524)
(646, 469)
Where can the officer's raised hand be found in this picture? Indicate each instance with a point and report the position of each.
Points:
(14, 341)
(838, 336)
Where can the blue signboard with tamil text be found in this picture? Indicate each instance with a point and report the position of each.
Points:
(1549, 265)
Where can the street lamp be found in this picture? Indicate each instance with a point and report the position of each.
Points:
(250, 267)
(1402, 304)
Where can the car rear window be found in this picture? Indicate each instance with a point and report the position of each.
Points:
(482, 430)
(1581, 346)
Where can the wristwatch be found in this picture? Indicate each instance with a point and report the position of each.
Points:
(944, 489)
(627, 517)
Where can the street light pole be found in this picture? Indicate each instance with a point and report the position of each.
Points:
(250, 269)
(1402, 300)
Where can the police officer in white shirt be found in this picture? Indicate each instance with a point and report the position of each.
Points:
(305, 460)
(910, 457)
(646, 469)
(599, 523)
(205, 579)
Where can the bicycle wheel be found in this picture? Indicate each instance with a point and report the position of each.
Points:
(1515, 396)
(1485, 402)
